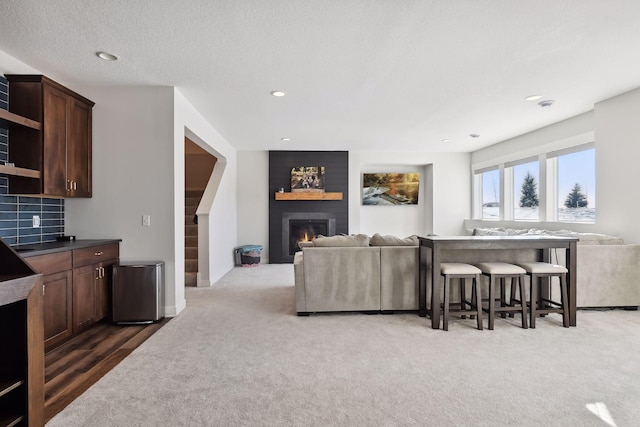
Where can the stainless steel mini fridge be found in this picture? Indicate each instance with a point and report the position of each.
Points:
(138, 292)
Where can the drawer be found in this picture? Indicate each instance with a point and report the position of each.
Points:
(95, 254)
(51, 263)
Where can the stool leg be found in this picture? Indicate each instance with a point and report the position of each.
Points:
(523, 299)
(565, 300)
(445, 316)
(503, 299)
(511, 297)
(534, 300)
(492, 302)
(463, 296)
(475, 291)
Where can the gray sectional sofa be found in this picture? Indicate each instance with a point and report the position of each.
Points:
(608, 270)
(380, 274)
(357, 273)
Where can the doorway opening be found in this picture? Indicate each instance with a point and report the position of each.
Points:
(198, 165)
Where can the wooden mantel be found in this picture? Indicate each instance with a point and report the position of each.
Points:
(309, 196)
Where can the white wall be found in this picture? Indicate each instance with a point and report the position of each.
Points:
(567, 133)
(219, 201)
(444, 199)
(133, 171)
(253, 200)
(617, 170)
(443, 203)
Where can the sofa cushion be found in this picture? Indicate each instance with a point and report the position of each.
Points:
(378, 240)
(584, 238)
(355, 240)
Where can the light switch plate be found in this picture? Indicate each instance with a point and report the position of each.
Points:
(146, 220)
(36, 221)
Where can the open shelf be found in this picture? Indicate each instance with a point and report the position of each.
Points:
(8, 386)
(309, 196)
(11, 420)
(9, 120)
(16, 171)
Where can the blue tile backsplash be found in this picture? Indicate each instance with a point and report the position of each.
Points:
(17, 212)
(4, 133)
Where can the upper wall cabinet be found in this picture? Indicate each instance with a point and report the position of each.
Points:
(61, 150)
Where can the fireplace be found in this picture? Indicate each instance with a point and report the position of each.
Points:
(304, 226)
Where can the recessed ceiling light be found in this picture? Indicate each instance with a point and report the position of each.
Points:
(278, 93)
(446, 140)
(546, 103)
(286, 138)
(474, 135)
(106, 56)
(533, 97)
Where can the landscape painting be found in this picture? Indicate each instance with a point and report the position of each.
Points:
(390, 188)
(307, 178)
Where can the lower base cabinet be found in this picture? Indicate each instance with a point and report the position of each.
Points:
(57, 308)
(91, 294)
(77, 289)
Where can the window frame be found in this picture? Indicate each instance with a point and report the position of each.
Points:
(547, 185)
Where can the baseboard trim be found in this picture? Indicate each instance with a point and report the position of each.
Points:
(201, 283)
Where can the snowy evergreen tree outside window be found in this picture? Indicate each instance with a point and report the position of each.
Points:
(576, 187)
(525, 191)
(576, 199)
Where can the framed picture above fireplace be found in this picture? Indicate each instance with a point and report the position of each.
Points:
(307, 179)
(390, 188)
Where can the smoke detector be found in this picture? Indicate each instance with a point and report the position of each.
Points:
(546, 103)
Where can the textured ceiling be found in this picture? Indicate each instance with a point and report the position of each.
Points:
(359, 74)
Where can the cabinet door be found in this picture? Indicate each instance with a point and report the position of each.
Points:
(54, 127)
(84, 296)
(79, 149)
(103, 290)
(57, 308)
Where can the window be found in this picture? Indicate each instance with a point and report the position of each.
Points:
(526, 201)
(577, 187)
(553, 186)
(491, 194)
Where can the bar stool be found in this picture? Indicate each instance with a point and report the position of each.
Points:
(500, 271)
(455, 270)
(542, 270)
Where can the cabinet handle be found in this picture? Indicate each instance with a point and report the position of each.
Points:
(97, 273)
(68, 188)
(102, 272)
(43, 289)
(75, 185)
(98, 253)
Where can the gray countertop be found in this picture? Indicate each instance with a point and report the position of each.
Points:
(35, 249)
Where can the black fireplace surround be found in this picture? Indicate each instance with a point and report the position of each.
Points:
(310, 216)
(304, 226)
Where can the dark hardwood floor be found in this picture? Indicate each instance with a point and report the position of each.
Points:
(73, 367)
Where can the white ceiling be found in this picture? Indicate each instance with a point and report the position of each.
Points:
(359, 74)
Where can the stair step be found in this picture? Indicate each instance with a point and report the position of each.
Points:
(191, 253)
(191, 241)
(193, 193)
(192, 201)
(191, 230)
(190, 279)
(191, 266)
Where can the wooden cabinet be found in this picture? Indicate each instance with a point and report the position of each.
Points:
(61, 150)
(77, 289)
(92, 284)
(57, 299)
(22, 356)
(84, 297)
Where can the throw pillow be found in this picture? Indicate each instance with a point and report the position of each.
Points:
(378, 240)
(356, 240)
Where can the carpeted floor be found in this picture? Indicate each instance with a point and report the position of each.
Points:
(239, 356)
